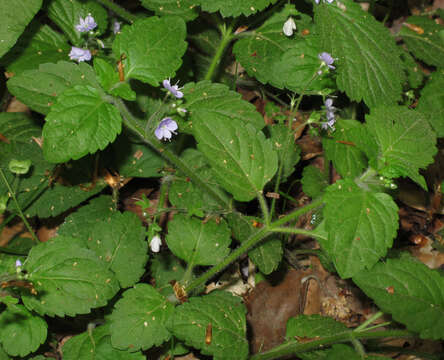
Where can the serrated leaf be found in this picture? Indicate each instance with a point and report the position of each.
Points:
(58, 198)
(66, 15)
(431, 102)
(311, 326)
(289, 154)
(406, 142)
(185, 194)
(80, 224)
(225, 312)
(368, 63)
(198, 242)
(212, 98)
(120, 243)
(348, 160)
(410, 291)
(81, 122)
(186, 9)
(135, 159)
(361, 226)
(96, 345)
(39, 45)
(268, 254)
(235, 8)
(314, 181)
(165, 267)
(69, 280)
(153, 48)
(12, 25)
(110, 81)
(38, 89)
(242, 159)
(20, 331)
(139, 318)
(421, 35)
(415, 75)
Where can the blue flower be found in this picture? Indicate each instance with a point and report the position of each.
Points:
(330, 113)
(116, 27)
(79, 54)
(86, 24)
(173, 89)
(327, 59)
(18, 263)
(289, 27)
(165, 129)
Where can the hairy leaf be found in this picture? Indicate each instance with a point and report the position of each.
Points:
(242, 159)
(410, 291)
(120, 243)
(20, 331)
(69, 280)
(186, 9)
(368, 63)
(314, 181)
(225, 313)
(153, 48)
(361, 226)
(406, 142)
(415, 74)
(431, 102)
(198, 242)
(138, 319)
(81, 122)
(235, 8)
(12, 25)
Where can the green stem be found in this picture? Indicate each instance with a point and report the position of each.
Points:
(20, 212)
(118, 10)
(289, 230)
(367, 322)
(131, 123)
(227, 36)
(295, 214)
(264, 208)
(292, 347)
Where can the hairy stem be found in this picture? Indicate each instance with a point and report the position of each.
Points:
(227, 36)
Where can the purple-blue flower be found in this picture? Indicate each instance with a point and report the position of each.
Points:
(173, 89)
(86, 24)
(330, 113)
(18, 263)
(116, 27)
(79, 54)
(326, 58)
(165, 129)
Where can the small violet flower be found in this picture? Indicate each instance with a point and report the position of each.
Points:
(18, 263)
(165, 129)
(330, 111)
(116, 27)
(86, 24)
(289, 27)
(155, 243)
(327, 59)
(173, 89)
(79, 54)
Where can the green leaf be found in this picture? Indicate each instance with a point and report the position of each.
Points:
(40, 45)
(417, 299)
(3, 355)
(348, 160)
(361, 226)
(242, 159)
(235, 8)
(198, 242)
(81, 122)
(225, 313)
(69, 280)
(427, 45)
(18, 127)
(406, 142)
(80, 224)
(186, 9)
(164, 268)
(431, 102)
(66, 15)
(268, 254)
(38, 89)
(415, 75)
(289, 154)
(134, 159)
(120, 242)
(185, 194)
(212, 98)
(314, 181)
(311, 326)
(368, 66)
(20, 331)
(109, 79)
(153, 48)
(15, 18)
(58, 198)
(94, 345)
(138, 319)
